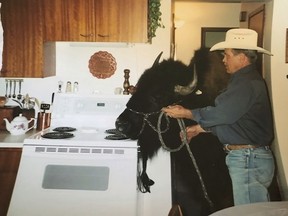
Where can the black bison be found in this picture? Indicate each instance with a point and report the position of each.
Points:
(200, 180)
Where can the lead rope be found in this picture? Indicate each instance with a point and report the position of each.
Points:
(184, 142)
(145, 120)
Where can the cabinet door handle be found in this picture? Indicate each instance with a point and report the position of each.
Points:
(86, 35)
(101, 35)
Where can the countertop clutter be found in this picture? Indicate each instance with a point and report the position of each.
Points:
(11, 141)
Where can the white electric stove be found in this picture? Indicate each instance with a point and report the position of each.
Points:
(83, 173)
(81, 136)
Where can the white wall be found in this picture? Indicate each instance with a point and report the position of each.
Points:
(279, 85)
(72, 63)
(197, 15)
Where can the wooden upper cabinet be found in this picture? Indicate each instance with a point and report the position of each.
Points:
(68, 20)
(123, 21)
(95, 20)
(23, 49)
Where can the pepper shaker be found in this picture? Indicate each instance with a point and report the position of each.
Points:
(126, 83)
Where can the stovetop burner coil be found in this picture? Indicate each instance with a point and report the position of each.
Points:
(64, 129)
(112, 131)
(57, 135)
(116, 135)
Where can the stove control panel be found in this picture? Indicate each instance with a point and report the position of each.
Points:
(93, 110)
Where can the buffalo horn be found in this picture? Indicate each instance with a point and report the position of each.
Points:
(156, 62)
(185, 90)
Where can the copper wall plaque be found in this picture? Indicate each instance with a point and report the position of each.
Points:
(102, 65)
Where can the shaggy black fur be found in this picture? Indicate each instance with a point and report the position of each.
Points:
(155, 89)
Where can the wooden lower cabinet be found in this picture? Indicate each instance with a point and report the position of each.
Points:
(9, 163)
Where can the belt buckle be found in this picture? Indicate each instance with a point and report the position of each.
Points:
(225, 148)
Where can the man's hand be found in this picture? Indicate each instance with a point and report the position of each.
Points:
(192, 131)
(177, 111)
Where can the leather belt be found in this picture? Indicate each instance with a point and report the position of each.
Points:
(228, 147)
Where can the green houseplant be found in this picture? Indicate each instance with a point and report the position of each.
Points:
(154, 18)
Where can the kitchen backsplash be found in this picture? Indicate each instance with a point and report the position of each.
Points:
(72, 65)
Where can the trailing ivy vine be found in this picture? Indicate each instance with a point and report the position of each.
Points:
(154, 18)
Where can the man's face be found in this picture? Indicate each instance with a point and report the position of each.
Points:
(232, 62)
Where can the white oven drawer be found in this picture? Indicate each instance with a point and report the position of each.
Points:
(77, 183)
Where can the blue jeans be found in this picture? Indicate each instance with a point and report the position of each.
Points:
(251, 172)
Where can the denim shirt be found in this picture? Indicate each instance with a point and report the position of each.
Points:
(242, 113)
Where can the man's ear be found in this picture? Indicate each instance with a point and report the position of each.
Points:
(243, 58)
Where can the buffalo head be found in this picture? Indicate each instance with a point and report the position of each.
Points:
(163, 84)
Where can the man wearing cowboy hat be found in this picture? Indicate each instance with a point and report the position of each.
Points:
(241, 118)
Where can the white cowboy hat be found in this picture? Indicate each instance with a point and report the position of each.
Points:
(240, 39)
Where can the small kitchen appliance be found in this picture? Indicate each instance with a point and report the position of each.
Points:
(43, 117)
(80, 171)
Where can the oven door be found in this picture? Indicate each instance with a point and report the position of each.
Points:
(75, 181)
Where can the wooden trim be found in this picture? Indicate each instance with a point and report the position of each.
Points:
(256, 22)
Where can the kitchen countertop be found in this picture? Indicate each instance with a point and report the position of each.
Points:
(11, 141)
